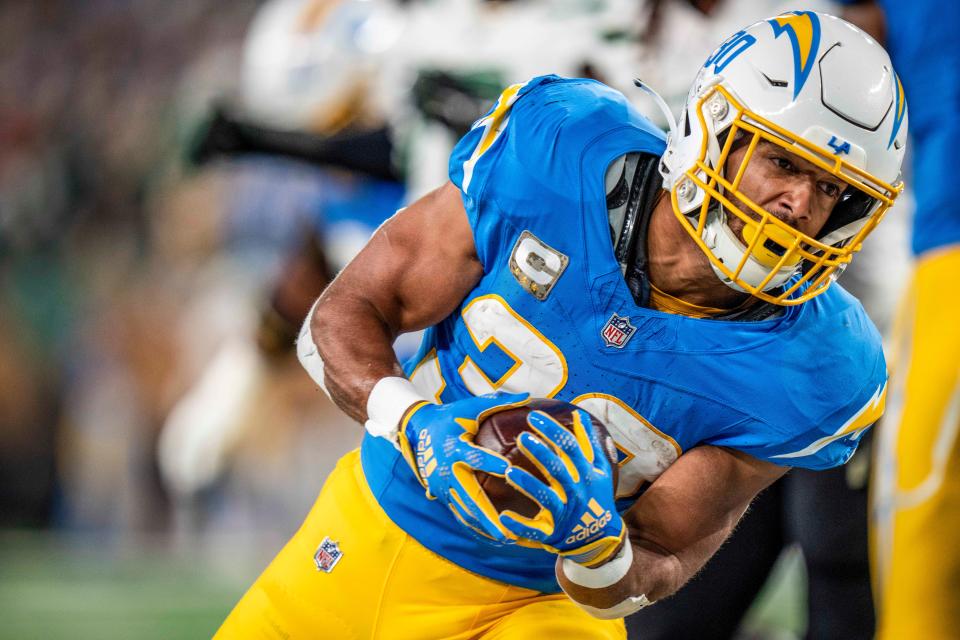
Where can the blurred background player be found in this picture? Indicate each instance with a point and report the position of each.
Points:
(915, 511)
(314, 176)
(321, 136)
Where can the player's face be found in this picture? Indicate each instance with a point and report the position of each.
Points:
(789, 187)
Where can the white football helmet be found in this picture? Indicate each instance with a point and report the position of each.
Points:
(823, 90)
(308, 65)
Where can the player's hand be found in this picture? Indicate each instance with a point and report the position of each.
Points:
(437, 442)
(578, 517)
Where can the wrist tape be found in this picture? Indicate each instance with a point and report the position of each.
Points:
(388, 401)
(308, 354)
(603, 576)
(622, 609)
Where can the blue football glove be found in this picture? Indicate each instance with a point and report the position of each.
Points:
(578, 517)
(437, 442)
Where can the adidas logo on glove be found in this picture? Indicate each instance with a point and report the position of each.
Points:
(590, 523)
(426, 462)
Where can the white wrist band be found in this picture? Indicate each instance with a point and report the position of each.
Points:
(308, 354)
(603, 576)
(388, 401)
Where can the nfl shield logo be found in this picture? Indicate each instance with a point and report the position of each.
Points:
(327, 556)
(617, 331)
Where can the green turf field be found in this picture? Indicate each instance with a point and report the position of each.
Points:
(55, 587)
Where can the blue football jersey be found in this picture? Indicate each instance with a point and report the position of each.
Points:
(922, 47)
(552, 316)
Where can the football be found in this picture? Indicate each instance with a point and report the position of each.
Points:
(499, 433)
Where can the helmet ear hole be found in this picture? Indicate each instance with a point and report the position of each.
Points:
(740, 138)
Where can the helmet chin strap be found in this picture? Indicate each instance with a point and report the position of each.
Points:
(716, 232)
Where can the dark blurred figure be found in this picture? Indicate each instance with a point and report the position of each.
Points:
(29, 410)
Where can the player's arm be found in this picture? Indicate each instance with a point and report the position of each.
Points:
(417, 268)
(368, 152)
(673, 529)
(412, 273)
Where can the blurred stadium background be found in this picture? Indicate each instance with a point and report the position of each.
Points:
(160, 166)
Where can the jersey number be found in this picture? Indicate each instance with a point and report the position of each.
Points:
(539, 367)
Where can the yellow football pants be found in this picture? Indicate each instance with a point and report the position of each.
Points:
(915, 510)
(388, 586)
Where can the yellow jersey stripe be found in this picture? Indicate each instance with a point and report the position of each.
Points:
(866, 416)
(492, 125)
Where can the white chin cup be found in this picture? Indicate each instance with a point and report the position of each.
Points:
(728, 248)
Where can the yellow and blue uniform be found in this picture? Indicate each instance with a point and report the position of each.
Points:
(553, 316)
(915, 513)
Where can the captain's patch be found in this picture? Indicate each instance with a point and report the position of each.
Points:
(536, 265)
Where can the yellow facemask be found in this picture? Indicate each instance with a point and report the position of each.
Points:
(805, 265)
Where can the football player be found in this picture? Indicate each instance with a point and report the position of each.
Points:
(679, 289)
(915, 512)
